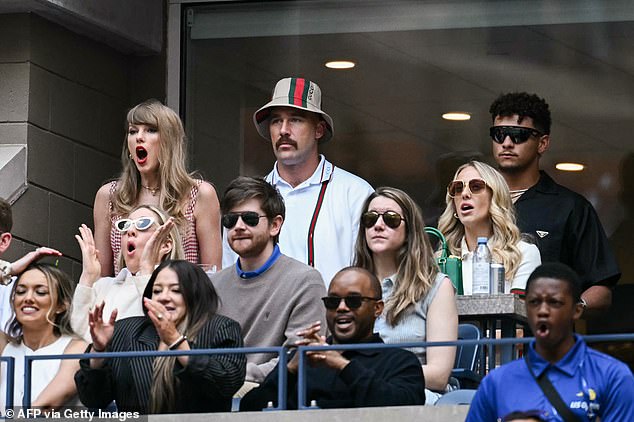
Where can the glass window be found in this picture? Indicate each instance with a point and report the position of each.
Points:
(414, 62)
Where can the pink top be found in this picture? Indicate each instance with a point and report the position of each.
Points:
(190, 241)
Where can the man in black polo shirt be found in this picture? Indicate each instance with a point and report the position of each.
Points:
(564, 224)
(351, 378)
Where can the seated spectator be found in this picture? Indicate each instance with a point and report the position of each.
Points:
(153, 172)
(479, 205)
(41, 299)
(271, 295)
(351, 378)
(419, 300)
(589, 385)
(148, 237)
(180, 314)
(8, 270)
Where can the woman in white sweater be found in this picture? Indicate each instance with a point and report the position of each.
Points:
(148, 237)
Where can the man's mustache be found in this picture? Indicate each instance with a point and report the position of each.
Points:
(285, 141)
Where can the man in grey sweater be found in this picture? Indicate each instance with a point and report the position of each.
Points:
(271, 295)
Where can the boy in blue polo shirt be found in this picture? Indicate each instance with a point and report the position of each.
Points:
(592, 385)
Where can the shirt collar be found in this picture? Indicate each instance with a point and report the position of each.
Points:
(322, 173)
(545, 184)
(269, 262)
(123, 275)
(464, 249)
(568, 364)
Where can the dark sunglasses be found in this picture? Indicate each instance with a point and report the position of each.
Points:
(456, 187)
(352, 302)
(392, 219)
(250, 218)
(518, 134)
(142, 224)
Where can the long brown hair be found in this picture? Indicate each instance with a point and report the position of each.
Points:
(417, 267)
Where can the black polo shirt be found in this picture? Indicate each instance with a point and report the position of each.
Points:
(567, 229)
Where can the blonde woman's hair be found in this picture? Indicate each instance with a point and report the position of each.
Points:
(177, 251)
(61, 289)
(506, 234)
(175, 182)
(417, 267)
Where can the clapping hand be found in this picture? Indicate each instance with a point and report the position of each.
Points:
(100, 331)
(156, 247)
(310, 337)
(91, 268)
(162, 321)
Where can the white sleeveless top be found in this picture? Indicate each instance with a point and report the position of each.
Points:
(42, 373)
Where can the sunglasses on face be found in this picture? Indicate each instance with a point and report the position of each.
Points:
(518, 134)
(456, 187)
(392, 219)
(250, 218)
(352, 302)
(142, 224)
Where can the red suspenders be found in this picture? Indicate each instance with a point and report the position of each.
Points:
(313, 223)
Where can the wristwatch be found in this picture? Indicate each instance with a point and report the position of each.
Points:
(5, 272)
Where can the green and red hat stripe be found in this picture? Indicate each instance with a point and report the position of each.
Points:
(298, 92)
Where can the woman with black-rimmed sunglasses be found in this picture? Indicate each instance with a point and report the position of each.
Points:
(148, 236)
(419, 300)
(479, 205)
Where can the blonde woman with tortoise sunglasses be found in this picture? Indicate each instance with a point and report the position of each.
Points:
(479, 205)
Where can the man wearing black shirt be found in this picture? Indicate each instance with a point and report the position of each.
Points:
(352, 378)
(563, 223)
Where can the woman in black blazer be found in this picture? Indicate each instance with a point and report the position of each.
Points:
(180, 305)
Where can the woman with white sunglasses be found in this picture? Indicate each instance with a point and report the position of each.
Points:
(479, 205)
(148, 237)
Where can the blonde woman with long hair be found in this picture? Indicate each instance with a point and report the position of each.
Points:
(479, 205)
(148, 237)
(179, 314)
(154, 172)
(419, 300)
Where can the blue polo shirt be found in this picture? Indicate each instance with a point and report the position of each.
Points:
(591, 383)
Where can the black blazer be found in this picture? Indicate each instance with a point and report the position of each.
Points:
(207, 383)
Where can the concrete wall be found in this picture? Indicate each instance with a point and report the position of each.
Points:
(67, 96)
(367, 414)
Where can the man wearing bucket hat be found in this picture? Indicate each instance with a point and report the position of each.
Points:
(323, 202)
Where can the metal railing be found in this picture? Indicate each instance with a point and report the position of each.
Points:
(282, 354)
(280, 351)
(10, 367)
(301, 378)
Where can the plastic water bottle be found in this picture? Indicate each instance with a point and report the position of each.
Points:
(481, 268)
